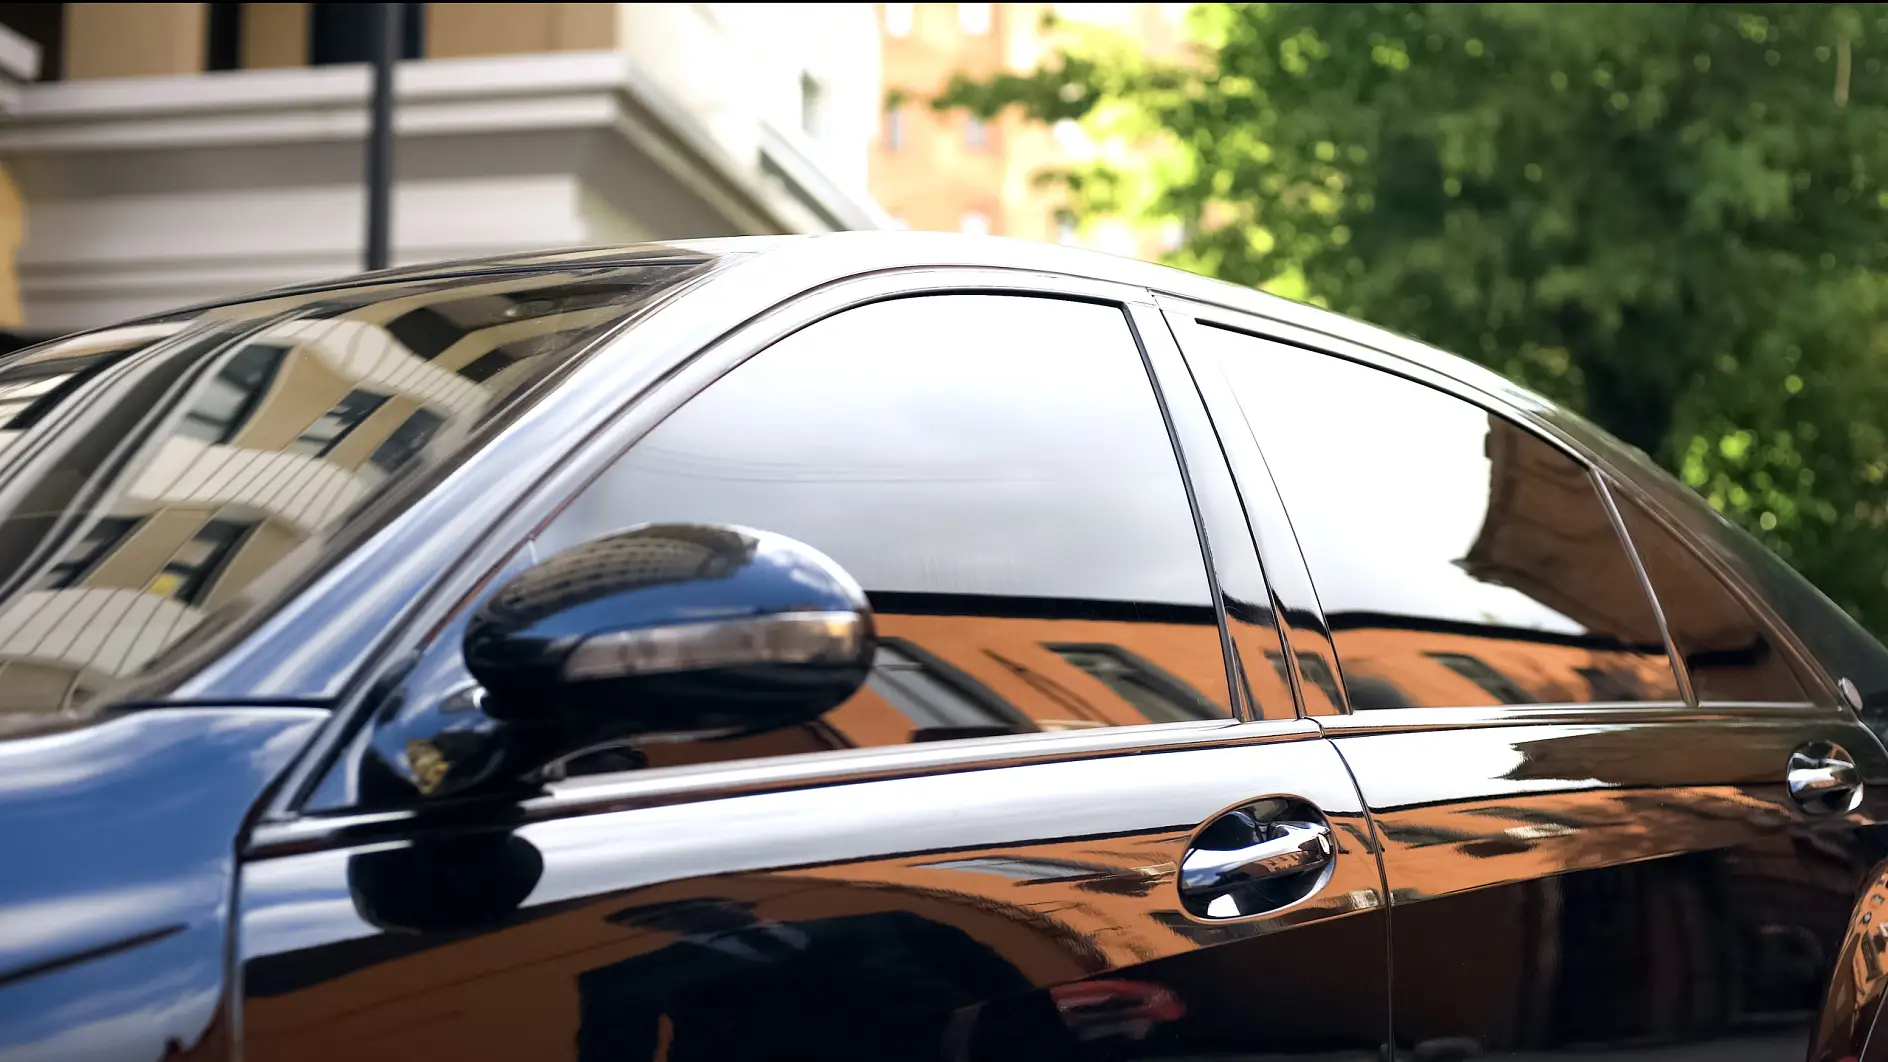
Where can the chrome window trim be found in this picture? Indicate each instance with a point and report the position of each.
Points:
(1633, 713)
(716, 781)
(699, 347)
(1171, 373)
(1681, 671)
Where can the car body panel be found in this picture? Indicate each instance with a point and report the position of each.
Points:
(121, 863)
(928, 914)
(1628, 878)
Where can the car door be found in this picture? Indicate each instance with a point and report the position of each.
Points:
(1057, 821)
(1588, 848)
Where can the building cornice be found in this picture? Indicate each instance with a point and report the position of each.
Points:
(781, 190)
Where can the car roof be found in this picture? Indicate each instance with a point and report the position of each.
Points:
(821, 258)
(809, 261)
(829, 257)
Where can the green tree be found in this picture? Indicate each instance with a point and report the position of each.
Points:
(1673, 217)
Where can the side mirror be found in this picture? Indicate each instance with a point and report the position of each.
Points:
(671, 630)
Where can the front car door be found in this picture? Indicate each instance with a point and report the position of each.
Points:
(1021, 838)
(1614, 820)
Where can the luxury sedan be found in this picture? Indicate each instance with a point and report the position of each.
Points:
(883, 646)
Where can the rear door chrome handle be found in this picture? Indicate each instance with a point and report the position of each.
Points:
(1807, 780)
(1822, 778)
(1289, 848)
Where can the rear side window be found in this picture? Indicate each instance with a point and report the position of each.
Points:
(154, 475)
(1841, 645)
(1459, 559)
(1729, 655)
(996, 473)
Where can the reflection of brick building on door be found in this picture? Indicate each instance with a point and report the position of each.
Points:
(286, 428)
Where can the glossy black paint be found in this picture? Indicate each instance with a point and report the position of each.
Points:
(1632, 886)
(665, 577)
(120, 865)
(1016, 910)
(744, 632)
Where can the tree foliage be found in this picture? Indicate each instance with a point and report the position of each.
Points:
(1673, 217)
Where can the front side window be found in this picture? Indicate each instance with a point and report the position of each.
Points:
(995, 472)
(1460, 560)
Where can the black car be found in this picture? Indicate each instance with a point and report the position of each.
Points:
(882, 646)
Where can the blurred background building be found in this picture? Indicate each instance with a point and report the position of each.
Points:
(951, 172)
(160, 154)
(163, 153)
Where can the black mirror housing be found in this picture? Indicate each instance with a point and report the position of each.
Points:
(678, 630)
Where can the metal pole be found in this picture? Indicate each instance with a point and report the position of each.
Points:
(380, 136)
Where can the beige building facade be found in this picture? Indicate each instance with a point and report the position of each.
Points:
(165, 153)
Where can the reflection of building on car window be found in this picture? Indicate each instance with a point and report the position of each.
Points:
(985, 673)
(247, 438)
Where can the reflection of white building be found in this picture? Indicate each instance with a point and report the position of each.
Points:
(179, 152)
(238, 454)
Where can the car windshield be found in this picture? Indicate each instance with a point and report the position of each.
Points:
(152, 474)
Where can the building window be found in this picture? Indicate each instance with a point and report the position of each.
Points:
(345, 33)
(1311, 668)
(327, 432)
(975, 224)
(1610, 685)
(1156, 694)
(939, 700)
(812, 106)
(976, 133)
(79, 561)
(223, 30)
(234, 394)
(894, 128)
(406, 442)
(898, 19)
(974, 18)
(1494, 683)
(195, 566)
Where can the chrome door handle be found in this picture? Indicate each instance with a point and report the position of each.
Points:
(1288, 848)
(1822, 777)
(1817, 780)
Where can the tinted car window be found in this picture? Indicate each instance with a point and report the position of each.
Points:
(1842, 646)
(1729, 655)
(150, 475)
(994, 470)
(1459, 559)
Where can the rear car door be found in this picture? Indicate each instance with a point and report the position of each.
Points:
(1588, 847)
(1059, 820)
